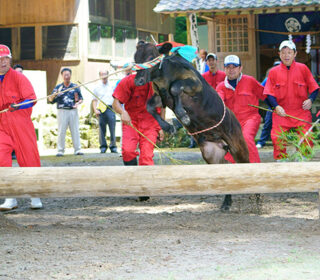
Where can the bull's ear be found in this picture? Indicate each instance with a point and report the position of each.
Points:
(165, 48)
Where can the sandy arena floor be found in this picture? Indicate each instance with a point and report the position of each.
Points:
(185, 237)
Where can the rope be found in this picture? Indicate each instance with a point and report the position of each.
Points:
(289, 116)
(148, 64)
(212, 127)
(68, 89)
(154, 144)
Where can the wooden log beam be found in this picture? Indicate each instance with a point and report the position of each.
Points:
(159, 180)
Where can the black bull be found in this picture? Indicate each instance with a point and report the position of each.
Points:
(179, 86)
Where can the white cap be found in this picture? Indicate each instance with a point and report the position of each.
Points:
(211, 55)
(232, 59)
(288, 44)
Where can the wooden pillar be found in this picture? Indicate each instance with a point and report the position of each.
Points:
(188, 31)
(16, 42)
(38, 42)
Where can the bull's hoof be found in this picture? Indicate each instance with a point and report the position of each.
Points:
(226, 205)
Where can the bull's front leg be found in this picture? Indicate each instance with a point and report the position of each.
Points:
(152, 104)
(187, 86)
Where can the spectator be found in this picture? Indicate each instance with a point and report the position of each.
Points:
(238, 91)
(67, 105)
(105, 114)
(203, 67)
(287, 89)
(18, 68)
(214, 76)
(16, 128)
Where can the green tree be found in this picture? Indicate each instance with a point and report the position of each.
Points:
(181, 30)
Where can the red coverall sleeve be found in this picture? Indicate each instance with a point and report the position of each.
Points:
(258, 90)
(123, 90)
(268, 89)
(220, 91)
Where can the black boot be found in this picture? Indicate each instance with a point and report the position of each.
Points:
(131, 162)
(226, 203)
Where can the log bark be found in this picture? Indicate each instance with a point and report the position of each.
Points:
(159, 180)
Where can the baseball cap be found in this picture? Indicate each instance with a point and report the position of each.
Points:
(232, 59)
(288, 44)
(5, 51)
(211, 55)
(276, 63)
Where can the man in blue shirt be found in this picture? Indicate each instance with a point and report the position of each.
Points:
(67, 104)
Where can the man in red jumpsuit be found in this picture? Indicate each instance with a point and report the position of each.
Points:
(214, 76)
(238, 91)
(134, 98)
(16, 128)
(287, 89)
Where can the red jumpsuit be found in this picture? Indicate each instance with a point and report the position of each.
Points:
(214, 79)
(135, 99)
(290, 87)
(248, 91)
(16, 128)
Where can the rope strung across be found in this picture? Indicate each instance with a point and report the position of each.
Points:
(134, 67)
(68, 89)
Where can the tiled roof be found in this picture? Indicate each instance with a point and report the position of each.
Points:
(202, 5)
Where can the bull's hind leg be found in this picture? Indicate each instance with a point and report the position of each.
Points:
(213, 153)
(227, 202)
(239, 151)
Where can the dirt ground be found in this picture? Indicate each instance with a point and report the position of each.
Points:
(180, 237)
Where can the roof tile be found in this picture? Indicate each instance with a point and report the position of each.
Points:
(194, 5)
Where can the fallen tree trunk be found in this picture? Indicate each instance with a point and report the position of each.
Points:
(159, 180)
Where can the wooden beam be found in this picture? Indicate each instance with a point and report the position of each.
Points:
(159, 180)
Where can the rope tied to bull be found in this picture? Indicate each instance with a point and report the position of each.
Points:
(212, 127)
(148, 64)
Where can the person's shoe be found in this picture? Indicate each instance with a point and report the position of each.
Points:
(9, 204)
(79, 153)
(114, 150)
(103, 150)
(143, 198)
(36, 203)
(259, 146)
(59, 154)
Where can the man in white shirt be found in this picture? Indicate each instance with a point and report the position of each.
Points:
(105, 114)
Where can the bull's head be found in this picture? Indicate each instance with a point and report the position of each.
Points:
(147, 52)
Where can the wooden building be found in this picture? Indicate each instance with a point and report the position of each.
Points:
(253, 29)
(84, 35)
